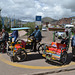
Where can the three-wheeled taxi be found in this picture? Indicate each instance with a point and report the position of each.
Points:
(18, 51)
(56, 51)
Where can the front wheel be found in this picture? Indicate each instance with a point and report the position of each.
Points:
(41, 49)
(12, 58)
(3, 47)
(64, 58)
(73, 52)
(21, 55)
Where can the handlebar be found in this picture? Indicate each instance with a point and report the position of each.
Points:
(30, 39)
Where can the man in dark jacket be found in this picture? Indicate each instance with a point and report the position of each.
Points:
(5, 35)
(5, 38)
(37, 37)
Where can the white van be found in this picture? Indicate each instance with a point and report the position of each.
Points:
(69, 26)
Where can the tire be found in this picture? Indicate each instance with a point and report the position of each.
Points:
(12, 58)
(73, 52)
(2, 48)
(20, 55)
(41, 49)
(7, 48)
(64, 58)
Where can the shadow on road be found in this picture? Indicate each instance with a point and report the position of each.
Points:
(73, 59)
(31, 57)
(57, 63)
(43, 36)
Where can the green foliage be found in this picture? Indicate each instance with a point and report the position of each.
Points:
(7, 29)
(32, 27)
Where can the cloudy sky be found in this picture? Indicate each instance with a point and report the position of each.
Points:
(28, 9)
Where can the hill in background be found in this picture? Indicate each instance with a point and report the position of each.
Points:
(48, 19)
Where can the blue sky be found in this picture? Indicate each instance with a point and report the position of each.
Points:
(28, 9)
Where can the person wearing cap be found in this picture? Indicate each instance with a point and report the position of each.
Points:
(73, 44)
(65, 39)
(14, 35)
(37, 37)
(5, 35)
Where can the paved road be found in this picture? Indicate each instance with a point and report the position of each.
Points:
(34, 64)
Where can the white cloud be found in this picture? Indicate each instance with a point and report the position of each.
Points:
(28, 9)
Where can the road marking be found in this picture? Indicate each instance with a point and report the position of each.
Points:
(32, 67)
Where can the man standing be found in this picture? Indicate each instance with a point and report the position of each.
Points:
(37, 37)
(5, 35)
(5, 38)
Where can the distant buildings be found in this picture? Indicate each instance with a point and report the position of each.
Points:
(10, 22)
(64, 21)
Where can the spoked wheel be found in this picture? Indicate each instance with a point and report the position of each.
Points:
(20, 55)
(7, 48)
(73, 52)
(64, 58)
(41, 49)
(2, 47)
(12, 58)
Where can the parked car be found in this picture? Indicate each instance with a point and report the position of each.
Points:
(44, 28)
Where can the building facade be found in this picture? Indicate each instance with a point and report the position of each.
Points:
(64, 21)
(73, 20)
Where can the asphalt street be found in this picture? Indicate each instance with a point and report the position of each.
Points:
(35, 64)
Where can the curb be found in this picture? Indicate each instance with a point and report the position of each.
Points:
(53, 71)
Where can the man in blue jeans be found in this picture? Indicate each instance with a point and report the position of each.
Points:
(37, 37)
(14, 35)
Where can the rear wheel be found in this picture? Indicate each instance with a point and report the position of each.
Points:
(41, 49)
(12, 58)
(64, 57)
(73, 52)
(21, 55)
(3, 47)
(8, 49)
